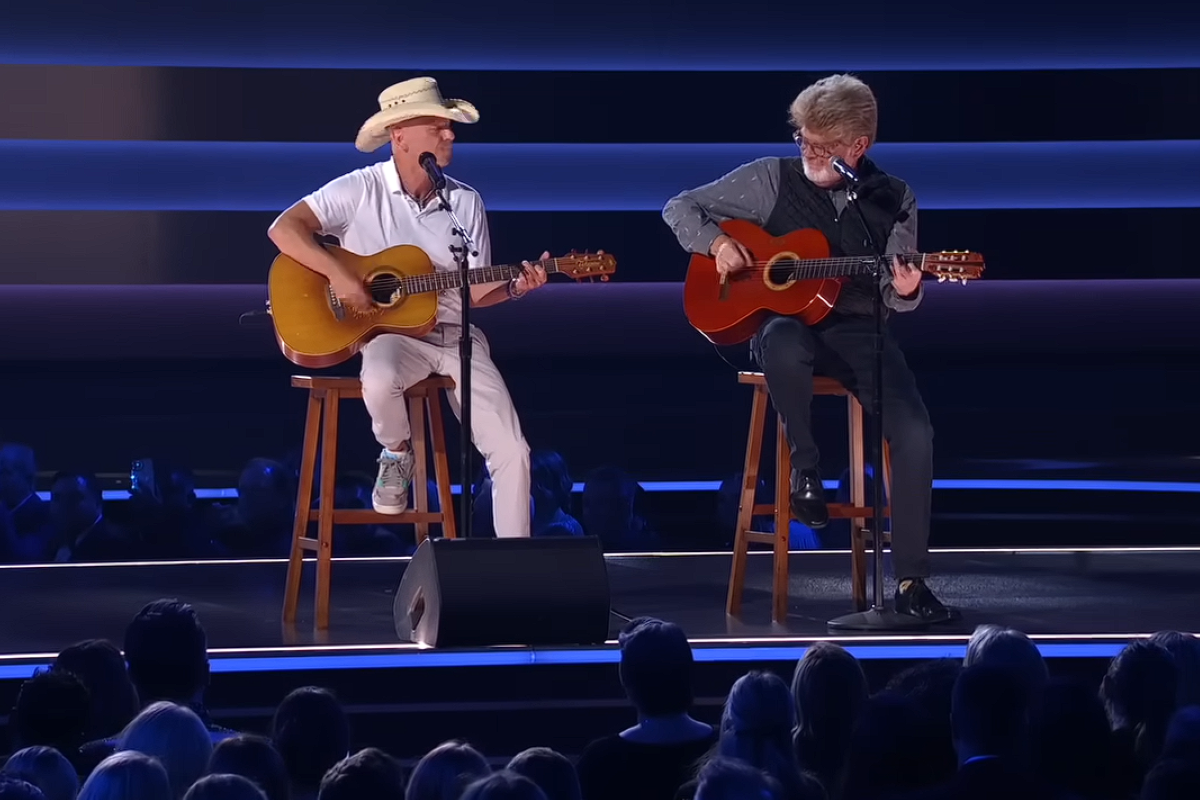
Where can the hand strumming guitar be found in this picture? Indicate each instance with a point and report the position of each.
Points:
(731, 255)
(350, 290)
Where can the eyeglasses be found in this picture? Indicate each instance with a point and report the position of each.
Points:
(819, 150)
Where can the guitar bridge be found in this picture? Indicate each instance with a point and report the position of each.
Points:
(339, 311)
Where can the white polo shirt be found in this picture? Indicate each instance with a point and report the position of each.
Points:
(368, 211)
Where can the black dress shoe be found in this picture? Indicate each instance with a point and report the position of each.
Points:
(808, 499)
(917, 600)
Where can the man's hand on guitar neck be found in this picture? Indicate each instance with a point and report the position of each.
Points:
(350, 290)
(730, 254)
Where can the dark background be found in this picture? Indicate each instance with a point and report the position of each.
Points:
(1075, 356)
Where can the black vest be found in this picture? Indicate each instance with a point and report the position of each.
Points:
(803, 204)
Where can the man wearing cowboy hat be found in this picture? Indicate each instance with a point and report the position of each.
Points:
(392, 203)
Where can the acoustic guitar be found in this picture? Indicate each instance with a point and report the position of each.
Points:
(314, 329)
(792, 275)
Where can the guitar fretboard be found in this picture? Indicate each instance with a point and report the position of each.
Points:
(842, 267)
(441, 281)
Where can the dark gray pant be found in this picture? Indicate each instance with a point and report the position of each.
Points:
(843, 348)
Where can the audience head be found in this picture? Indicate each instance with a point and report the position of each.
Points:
(14, 788)
(18, 470)
(176, 737)
(732, 779)
(76, 501)
(757, 726)
(446, 771)
(127, 776)
(312, 733)
(1172, 779)
(1073, 739)
(253, 758)
(829, 689)
(1011, 650)
(1139, 692)
(551, 483)
(553, 772)
(113, 700)
(47, 769)
(167, 651)
(52, 709)
(265, 496)
(989, 712)
(1185, 649)
(930, 685)
(369, 774)
(893, 749)
(656, 667)
(224, 787)
(504, 785)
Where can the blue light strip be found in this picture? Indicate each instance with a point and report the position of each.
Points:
(574, 657)
(1003, 485)
(598, 36)
(270, 176)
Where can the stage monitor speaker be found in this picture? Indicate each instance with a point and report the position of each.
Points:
(482, 592)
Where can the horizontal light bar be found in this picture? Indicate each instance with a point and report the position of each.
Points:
(985, 484)
(566, 657)
(598, 36)
(270, 176)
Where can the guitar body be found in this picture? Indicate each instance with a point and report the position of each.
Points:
(313, 333)
(731, 313)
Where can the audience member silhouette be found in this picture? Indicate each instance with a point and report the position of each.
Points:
(112, 699)
(733, 779)
(369, 774)
(550, 488)
(128, 775)
(553, 772)
(260, 524)
(253, 758)
(47, 769)
(656, 756)
(830, 690)
(610, 513)
(28, 532)
(504, 785)
(312, 733)
(445, 772)
(224, 787)
(52, 710)
(80, 531)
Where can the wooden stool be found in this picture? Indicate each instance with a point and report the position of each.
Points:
(324, 395)
(857, 510)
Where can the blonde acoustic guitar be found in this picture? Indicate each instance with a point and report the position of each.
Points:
(314, 329)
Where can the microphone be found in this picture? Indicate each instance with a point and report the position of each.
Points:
(429, 163)
(841, 168)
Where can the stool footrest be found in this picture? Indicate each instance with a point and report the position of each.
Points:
(760, 537)
(365, 516)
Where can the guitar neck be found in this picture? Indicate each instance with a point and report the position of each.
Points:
(439, 281)
(843, 266)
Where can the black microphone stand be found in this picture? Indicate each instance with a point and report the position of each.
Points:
(461, 254)
(880, 616)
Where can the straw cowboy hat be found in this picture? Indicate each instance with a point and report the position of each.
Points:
(418, 97)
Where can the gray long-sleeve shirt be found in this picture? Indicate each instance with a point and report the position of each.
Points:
(749, 193)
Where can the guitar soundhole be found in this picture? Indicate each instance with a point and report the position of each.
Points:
(384, 288)
(780, 271)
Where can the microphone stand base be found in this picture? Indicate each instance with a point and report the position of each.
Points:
(879, 618)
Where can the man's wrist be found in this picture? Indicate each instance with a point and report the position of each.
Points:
(511, 290)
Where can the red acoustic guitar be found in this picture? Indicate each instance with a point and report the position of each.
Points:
(791, 275)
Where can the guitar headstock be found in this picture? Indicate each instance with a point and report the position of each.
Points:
(587, 265)
(953, 265)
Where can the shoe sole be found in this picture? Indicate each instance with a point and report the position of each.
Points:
(389, 510)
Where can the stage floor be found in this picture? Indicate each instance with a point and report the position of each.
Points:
(1073, 602)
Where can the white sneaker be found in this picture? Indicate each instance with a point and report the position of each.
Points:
(390, 495)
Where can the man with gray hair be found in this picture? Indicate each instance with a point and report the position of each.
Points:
(836, 117)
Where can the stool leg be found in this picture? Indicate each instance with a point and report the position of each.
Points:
(441, 465)
(741, 547)
(420, 487)
(783, 524)
(858, 552)
(325, 512)
(308, 459)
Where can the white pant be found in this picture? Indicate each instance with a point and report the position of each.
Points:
(391, 363)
